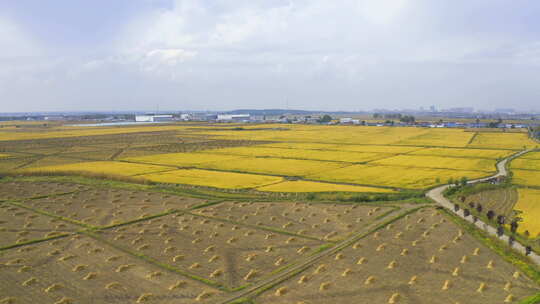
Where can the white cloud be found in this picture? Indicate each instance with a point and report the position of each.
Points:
(354, 53)
(14, 42)
(170, 57)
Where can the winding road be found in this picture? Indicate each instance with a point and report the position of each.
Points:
(436, 194)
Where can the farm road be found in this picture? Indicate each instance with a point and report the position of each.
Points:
(292, 271)
(436, 194)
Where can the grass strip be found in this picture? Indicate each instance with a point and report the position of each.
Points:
(146, 218)
(207, 204)
(531, 300)
(35, 241)
(261, 290)
(266, 228)
(65, 219)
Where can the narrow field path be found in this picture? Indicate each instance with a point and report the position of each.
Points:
(295, 269)
(436, 194)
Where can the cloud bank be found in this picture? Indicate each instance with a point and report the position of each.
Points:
(330, 55)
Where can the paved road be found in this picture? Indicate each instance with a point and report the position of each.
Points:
(437, 195)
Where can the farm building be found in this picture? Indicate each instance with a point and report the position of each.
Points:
(233, 117)
(153, 118)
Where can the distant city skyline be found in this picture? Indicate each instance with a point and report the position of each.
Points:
(344, 55)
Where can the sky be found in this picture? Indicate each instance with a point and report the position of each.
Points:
(119, 55)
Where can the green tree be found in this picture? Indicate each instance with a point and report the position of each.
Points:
(325, 119)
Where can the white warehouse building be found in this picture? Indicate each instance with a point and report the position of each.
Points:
(153, 118)
(233, 117)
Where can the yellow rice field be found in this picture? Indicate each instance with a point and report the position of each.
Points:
(532, 155)
(87, 131)
(2, 155)
(308, 186)
(182, 159)
(375, 156)
(350, 148)
(102, 167)
(514, 141)
(343, 156)
(526, 177)
(326, 134)
(475, 153)
(526, 163)
(529, 204)
(357, 135)
(390, 176)
(217, 179)
(274, 166)
(413, 161)
(440, 137)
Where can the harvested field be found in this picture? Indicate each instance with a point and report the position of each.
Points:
(18, 226)
(392, 176)
(105, 207)
(308, 186)
(439, 162)
(24, 190)
(48, 161)
(217, 179)
(10, 164)
(102, 154)
(80, 270)
(529, 205)
(213, 250)
(501, 201)
(420, 259)
(329, 222)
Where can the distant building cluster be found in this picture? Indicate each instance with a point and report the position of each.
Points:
(153, 118)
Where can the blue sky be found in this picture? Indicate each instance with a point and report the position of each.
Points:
(225, 54)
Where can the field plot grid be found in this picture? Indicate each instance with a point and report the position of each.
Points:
(24, 190)
(18, 226)
(328, 222)
(215, 251)
(422, 258)
(105, 207)
(80, 270)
